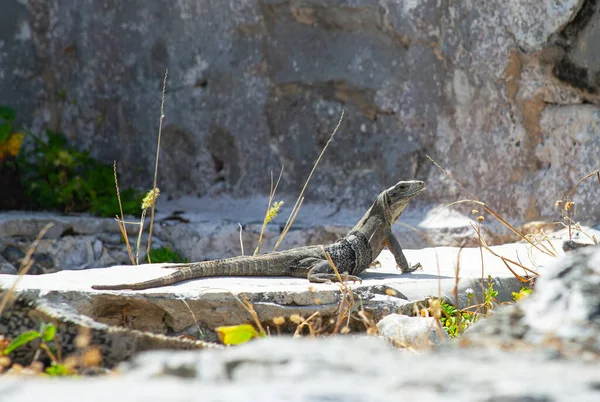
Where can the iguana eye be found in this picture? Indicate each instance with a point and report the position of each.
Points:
(404, 187)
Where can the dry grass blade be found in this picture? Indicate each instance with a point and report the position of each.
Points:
(287, 227)
(162, 116)
(194, 317)
(546, 238)
(455, 291)
(300, 198)
(247, 305)
(139, 240)
(481, 242)
(451, 177)
(474, 199)
(417, 231)
(452, 204)
(346, 296)
(434, 310)
(368, 321)
(50, 354)
(271, 196)
(595, 172)
(241, 240)
(506, 260)
(568, 204)
(121, 222)
(306, 323)
(538, 246)
(25, 265)
(572, 225)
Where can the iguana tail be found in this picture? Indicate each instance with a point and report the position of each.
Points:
(272, 264)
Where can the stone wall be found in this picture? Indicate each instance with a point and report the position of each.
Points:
(501, 93)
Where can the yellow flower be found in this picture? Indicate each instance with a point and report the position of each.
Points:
(11, 146)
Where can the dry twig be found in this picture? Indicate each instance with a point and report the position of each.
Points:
(162, 116)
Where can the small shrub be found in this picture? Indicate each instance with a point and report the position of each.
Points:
(165, 254)
(46, 335)
(10, 140)
(522, 294)
(455, 321)
(490, 294)
(57, 176)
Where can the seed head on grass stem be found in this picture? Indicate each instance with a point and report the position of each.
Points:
(271, 214)
(273, 211)
(150, 198)
(148, 201)
(265, 221)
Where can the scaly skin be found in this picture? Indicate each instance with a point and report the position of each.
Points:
(352, 254)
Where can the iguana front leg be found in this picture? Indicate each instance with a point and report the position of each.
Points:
(322, 272)
(392, 243)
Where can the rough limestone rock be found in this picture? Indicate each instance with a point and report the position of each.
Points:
(6, 267)
(413, 332)
(562, 312)
(340, 368)
(483, 87)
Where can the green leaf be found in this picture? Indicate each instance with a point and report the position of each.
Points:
(523, 293)
(58, 370)
(21, 340)
(7, 114)
(236, 334)
(56, 140)
(49, 332)
(5, 130)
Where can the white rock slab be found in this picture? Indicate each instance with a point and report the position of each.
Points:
(210, 302)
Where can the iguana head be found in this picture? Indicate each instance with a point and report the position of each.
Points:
(399, 195)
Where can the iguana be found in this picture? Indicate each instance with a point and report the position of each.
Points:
(26, 312)
(352, 254)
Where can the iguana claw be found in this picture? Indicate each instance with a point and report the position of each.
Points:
(412, 268)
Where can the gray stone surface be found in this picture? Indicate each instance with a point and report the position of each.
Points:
(561, 314)
(533, 23)
(73, 242)
(6, 268)
(334, 369)
(257, 85)
(570, 133)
